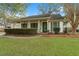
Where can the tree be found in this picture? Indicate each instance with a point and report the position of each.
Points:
(49, 8)
(12, 10)
(72, 14)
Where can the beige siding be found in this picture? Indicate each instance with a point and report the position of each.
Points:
(16, 25)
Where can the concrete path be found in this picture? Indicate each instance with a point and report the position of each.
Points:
(2, 33)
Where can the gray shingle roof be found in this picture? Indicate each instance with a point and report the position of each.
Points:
(36, 16)
(42, 17)
(57, 16)
(54, 16)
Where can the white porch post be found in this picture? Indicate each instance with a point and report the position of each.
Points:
(52, 26)
(28, 24)
(49, 26)
(61, 27)
(12, 25)
(39, 27)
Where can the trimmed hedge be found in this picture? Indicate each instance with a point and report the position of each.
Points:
(56, 30)
(21, 31)
(65, 30)
(77, 30)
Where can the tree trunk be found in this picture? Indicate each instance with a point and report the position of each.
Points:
(74, 29)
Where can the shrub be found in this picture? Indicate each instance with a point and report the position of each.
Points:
(65, 30)
(56, 30)
(21, 31)
(77, 30)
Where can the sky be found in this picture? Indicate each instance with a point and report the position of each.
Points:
(33, 10)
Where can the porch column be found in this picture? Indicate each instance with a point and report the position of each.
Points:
(61, 27)
(39, 27)
(49, 26)
(52, 26)
(28, 24)
(12, 25)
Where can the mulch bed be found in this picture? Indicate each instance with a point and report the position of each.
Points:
(48, 35)
(16, 35)
(63, 35)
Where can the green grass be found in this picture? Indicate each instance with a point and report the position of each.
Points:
(39, 46)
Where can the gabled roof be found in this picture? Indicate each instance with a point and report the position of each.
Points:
(54, 16)
(57, 16)
(42, 17)
(37, 16)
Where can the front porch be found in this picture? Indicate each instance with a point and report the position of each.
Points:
(42, 26)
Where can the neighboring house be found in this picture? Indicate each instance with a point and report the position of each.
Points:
(43, 23)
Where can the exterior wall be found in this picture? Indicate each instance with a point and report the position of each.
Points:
(78, 27)
(68, 25)
(16, 25)
(2, 26)
(39, 29)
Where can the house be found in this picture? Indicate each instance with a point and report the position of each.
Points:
(43, 23)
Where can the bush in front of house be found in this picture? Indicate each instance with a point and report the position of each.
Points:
(65, 30)
(77, 30)
(21, 31)
(56, 30)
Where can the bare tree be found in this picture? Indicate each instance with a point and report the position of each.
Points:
(11, 10)
(72, 14)
(49, 8)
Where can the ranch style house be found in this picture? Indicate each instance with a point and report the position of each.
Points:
(43, 23)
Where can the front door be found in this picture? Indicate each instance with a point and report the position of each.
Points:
(44, 26)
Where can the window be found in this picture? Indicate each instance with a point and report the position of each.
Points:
(34, 25)
(56, 24)
(24, 25)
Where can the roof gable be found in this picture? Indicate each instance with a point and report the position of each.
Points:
(53, 16)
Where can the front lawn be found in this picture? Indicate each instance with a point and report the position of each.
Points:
(40, 46)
